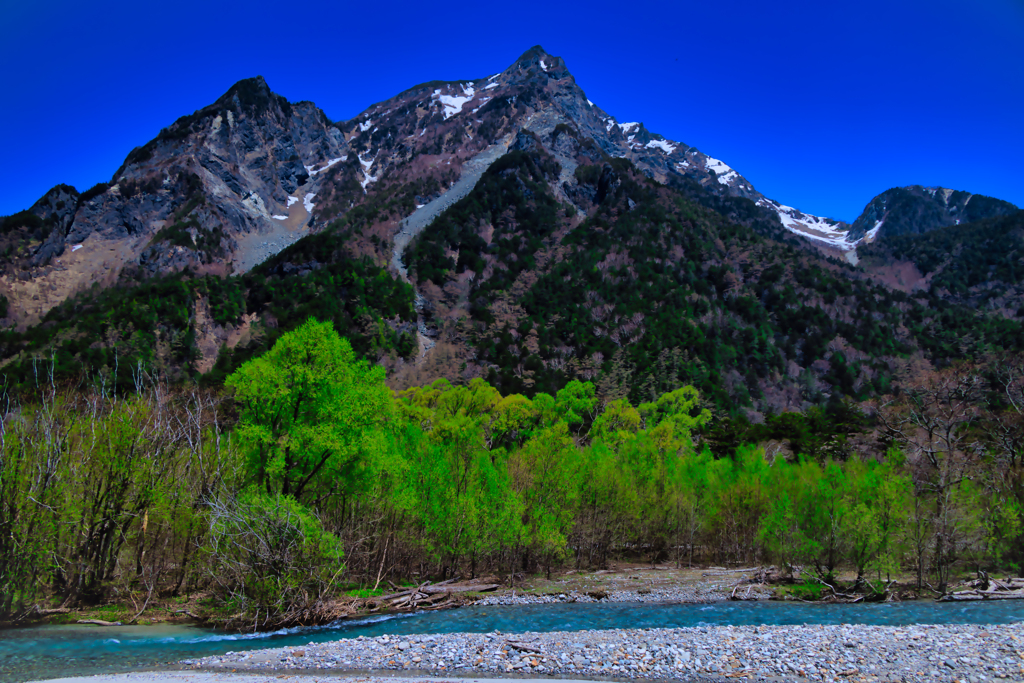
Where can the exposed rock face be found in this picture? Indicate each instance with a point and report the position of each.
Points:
(201, 192)
(240, 158)
(241, 166)
(914, 210)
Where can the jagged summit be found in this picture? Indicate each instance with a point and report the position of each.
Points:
(251, 93)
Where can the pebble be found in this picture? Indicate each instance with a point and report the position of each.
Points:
(944, 653)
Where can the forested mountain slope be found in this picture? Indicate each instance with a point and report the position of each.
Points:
(627, 283)
(978, 264)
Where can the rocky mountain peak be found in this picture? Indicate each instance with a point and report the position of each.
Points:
(252, 95)
(537, 61)
(232, 183)
(915, 209)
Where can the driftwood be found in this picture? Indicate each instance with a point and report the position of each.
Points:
(746, 594)
(722, 571)
(443, 588)
(52, 610)
(481, 588)
(401, 592)
(523, 647)
(429, 596)
(99, 622)
(985, 588)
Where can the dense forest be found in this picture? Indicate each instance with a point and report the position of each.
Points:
(310, 478)
(650, 289)
(977, 264)
(151, 325)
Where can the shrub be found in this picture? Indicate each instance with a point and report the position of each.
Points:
(93, 192)
(271, 557)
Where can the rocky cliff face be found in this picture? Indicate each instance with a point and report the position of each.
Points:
(198, 195)
(227, 186)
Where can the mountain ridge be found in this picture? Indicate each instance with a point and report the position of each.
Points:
(576, 247)
(246, 199)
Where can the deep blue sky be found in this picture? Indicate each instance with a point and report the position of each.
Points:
(820, 105)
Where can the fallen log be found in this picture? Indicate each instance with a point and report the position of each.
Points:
(434, 588)
(438, 588)
(99, 622)
(523, 647)
(53, 610)
(982, 595)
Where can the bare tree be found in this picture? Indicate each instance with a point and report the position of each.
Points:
(932, 421)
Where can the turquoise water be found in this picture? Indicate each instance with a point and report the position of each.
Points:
(55, 651)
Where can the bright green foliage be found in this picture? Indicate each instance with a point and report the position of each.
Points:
(575, 402)
(100, 495)
(448, 480)
(825, 514)
(310, 412)
(544, 475)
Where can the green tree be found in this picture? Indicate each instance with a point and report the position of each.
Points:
(310, 412)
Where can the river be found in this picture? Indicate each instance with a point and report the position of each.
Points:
(52, 651)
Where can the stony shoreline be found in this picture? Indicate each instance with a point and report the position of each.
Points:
(672, 594)
(968, 653)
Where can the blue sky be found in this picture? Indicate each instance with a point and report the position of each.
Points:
(820, 105)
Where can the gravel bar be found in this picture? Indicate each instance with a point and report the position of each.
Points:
(967, 653)
(671, 594)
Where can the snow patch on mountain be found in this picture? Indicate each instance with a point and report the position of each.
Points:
(312, 170)
(365, 125)
(664, 145)
(367, 178)
(869, 236)
(543, 65)
(292, 200)
(307, 202)
(492, 85)
(815, 228)
(279, 217)
(723, 171)
(453, 103)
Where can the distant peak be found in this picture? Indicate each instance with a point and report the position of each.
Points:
(532, 54)
(538, 57)
(249, 85)
(252, 93)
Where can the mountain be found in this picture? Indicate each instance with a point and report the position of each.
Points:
(223, 188)
(978, 264)
(503, 227)
(206, 193)
(915, 210)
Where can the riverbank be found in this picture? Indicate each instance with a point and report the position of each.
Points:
(623, 582)
(790, 653)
